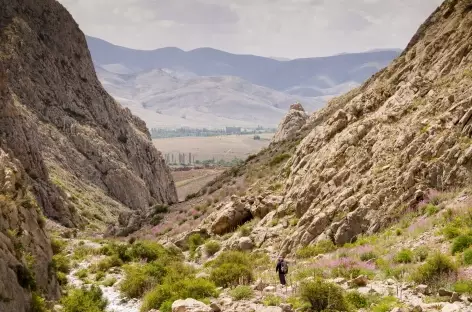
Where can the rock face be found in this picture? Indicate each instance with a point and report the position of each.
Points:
(374, 153)
(78, 146)
(25, 249)
(291, 124)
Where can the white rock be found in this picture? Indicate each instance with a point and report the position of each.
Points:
(452, 307)
(190, 305)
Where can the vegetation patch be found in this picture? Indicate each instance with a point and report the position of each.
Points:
(242, 292)
(84, 300)
(324, 296)
(314, 250)
(231, 268)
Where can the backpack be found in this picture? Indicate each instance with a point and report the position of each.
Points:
(283, 267)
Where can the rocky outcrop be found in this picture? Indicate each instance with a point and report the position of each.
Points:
(25, 249)
(190, 305)
(373, 154)
(291, 124)
(68, 133)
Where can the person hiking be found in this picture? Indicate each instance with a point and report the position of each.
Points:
(282, 269)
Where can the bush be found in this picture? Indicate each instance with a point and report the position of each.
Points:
(109, 282)
(160, 296)
(245, 230)
(194, 241)
(463, 287)
(242, 292)
(314, 250)
(437, 266)
(279, 159)
(369, 255)
(61, 278)
(467, 257)
(212, 247)
(272, 301)
(421, 254)
(404, 256)
(81, 274)
(159, 208)
(61, 263)
(385, 304)
(57, 245)
(231, 268)
(461, 243)
(431, 209)
(147, 250)
(107, 263)
(156, 220)
(451, 231)
(324, 296)
(38, 303)
(141, 278)
(84, 300)
(357, 300)
(82, 252)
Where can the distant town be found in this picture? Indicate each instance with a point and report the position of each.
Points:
(158, 133)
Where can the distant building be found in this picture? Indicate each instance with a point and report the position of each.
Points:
(233, 130)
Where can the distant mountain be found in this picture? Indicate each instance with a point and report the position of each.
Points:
(205, 87)
(166, 99)
(304, 77)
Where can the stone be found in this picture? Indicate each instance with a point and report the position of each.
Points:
(260, 285)
(245, 243)
(455, 297)
(339, 280)
(444, 293)
(215, 307)
(295, 119)
(422, 289)
(232, 214)
(390, 281)
(270, 309)
(190, 305)
(286, 307)
(360, 281)
(270, 289)
(451, 307)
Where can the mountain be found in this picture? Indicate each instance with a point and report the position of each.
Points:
(168, 99)
(207, 86)
(67, 149)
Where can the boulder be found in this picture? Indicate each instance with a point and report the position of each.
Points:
(231, 215)
(286, 307)
(360, 281)
(444, 292)
(295, 119)
(271, 309)
(452, 307)
(190, 305)
(245, 243)
(215, 307)
(422, 289)
(260, 285)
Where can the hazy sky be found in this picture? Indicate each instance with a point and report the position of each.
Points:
(282, 28)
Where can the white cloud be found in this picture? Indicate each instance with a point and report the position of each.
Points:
(286, 28)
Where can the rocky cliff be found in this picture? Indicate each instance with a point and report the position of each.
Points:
(291, 124)
(25, 249)
(371, 155)
(87, 157)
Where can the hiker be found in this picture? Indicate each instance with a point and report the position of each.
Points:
(282, 269)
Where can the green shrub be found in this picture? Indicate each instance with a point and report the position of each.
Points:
(324, 296)
(160, 208)
(314, 250)
(451, 231)
(279, 159)
(38, 303)
(160, 297)
(99, 276)
(245, 230)
(82, 273)
(61, 263)
(156, 220)
(61, 278)
(84, 300)
(212, 247)
(58, 245)
(82, 252)
(272, 301)
(461, 243)
(141, 278)
(386, 304)
(467, 257)
(194, 241)
(463, 287)
(437, 266)
(242, 292)
(431, 209)
(421, 254)
(369, 255)
(231, 268)
(147, 250)
(109, 282)
(404, 256)
(357, 300)
(107, 263)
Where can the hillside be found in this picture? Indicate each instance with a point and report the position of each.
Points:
(166, 100)
(87, 158)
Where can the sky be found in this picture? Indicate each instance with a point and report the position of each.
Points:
(273, 28)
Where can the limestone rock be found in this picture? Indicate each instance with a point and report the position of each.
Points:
(215, 307)
(422, 289)
(291, 124)
(360, 281)
(452, 307)
(271, 309)
(231, 215)
(73, 139)
(190, 305)
(245, 243)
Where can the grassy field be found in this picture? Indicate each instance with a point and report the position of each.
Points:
(189, 182)
(221, 147)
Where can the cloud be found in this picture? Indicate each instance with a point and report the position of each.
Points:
(286, 28)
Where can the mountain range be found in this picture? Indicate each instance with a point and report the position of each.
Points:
(204, 87)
